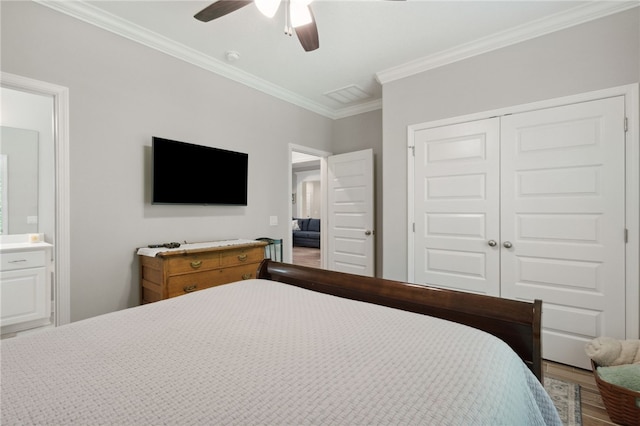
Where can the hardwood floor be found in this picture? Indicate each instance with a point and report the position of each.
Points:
(306, 256)
(593, 411)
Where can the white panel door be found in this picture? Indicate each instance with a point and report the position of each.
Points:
(563, 221)
(351, 241)
(456, 207)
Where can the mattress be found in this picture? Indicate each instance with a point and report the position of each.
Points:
(258, 352)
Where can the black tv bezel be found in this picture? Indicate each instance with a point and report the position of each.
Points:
(243, 201)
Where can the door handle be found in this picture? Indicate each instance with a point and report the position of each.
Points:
(492, 243)
(507, 244)
(367, 232)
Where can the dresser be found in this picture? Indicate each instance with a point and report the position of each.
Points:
(194, 267)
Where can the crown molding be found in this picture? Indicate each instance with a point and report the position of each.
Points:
(86, 12)
(357, 109)
(572, 17)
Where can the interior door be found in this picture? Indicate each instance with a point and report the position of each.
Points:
(563, 221)
(457, 202)
(548, 188)
(351, 236)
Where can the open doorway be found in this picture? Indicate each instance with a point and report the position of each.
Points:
(346, 225)
(307, 206)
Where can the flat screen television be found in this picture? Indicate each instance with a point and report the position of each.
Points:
(184, 173)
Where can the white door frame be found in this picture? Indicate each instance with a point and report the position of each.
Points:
(4, 175)
(288, 256)
(632, 182)
(62, 262)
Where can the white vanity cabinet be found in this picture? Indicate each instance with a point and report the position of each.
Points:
(25, 287)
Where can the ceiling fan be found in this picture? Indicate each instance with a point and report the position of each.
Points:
(298, 17)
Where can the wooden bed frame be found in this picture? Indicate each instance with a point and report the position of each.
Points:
(516, 323)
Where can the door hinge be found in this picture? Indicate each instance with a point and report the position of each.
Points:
(626, 124)
(413, 150)
(414, 227)
(626, 235)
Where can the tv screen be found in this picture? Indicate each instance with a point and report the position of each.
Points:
(185, 173)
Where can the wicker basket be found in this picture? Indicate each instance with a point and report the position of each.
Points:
(622, 404)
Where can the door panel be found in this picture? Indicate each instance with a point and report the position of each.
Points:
(351, 240)
(456, 213)
(548, 186)
(563, 211)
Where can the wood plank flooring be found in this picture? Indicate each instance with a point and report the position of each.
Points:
(306, 256)
(593, 411)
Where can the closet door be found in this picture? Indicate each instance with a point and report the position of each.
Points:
(456, 202)
(563, 221)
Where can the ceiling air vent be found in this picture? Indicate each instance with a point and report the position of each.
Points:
(348, 94)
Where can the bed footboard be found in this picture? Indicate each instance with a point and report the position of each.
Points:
(515, 322)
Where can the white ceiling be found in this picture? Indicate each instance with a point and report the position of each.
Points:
(362, 42)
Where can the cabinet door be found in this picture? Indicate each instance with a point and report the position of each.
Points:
(24, 296)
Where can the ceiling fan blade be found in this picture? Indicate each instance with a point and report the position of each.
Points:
(220, 8)
(308, 34)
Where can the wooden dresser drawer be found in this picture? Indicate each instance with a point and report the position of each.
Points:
(193, 263)
(241, 256)
(187, 283)
(174, 273)
(239, 273)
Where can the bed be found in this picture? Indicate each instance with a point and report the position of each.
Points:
(295, 346)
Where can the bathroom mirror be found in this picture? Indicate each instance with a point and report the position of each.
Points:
(19, 166)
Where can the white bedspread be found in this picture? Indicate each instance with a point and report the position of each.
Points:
(264, 353)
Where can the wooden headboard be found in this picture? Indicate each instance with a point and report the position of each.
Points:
(515, 322)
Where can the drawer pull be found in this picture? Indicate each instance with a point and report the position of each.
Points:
(242, 257)
(196, 264)
(246, 276)
(190, 288)
(18, 261)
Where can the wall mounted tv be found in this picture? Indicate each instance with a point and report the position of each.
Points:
(185, 173)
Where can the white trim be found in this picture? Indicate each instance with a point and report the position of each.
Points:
(569, 18)
(632, 183)
(4, 175)
(60, 94)
(633, 211)
(93, 15)
(411, 143)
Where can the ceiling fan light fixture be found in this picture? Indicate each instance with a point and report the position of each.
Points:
(268, 7)
(300, 15)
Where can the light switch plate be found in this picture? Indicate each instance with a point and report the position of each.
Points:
(273, 220)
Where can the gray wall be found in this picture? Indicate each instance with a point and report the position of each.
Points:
(357, 133)
(122, 94)
(596, 55)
